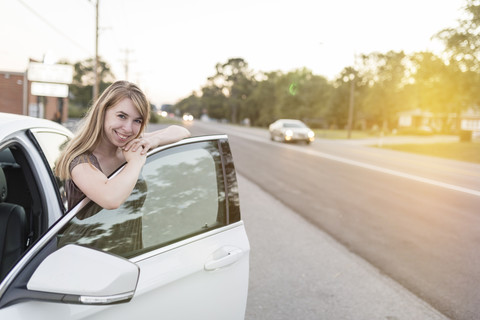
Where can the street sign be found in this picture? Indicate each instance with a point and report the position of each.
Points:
(49, 89)
(56, 73)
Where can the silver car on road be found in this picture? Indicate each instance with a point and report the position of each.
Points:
(290, 130)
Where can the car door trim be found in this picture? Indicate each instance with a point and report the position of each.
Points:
(185, 242)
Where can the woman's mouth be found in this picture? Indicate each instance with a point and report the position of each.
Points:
(121, 136)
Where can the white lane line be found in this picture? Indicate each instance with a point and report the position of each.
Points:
(367, 166)
(394, 173)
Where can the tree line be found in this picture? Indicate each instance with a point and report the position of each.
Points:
(378, 86)
(382, 85)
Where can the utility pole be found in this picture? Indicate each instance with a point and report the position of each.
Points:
(353, 74)
(95, 65)
(351, 105)
(126, 62)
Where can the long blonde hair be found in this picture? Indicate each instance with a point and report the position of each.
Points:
(90, 131)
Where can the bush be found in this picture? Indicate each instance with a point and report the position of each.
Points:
(465, 136)
(75, 112)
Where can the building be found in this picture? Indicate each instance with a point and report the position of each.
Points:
(13, 92)
(17, 96)
(419, 121)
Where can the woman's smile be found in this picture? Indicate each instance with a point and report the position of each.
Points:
(122, 137)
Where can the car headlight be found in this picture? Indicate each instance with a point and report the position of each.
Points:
(311, 134)
(288, 133)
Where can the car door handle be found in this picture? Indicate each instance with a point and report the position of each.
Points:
(227, 257)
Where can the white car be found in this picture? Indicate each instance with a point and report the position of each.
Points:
(290, 130)
(176, 249)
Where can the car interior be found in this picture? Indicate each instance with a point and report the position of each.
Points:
(21, 221)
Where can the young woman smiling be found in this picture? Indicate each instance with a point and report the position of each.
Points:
(112, 133)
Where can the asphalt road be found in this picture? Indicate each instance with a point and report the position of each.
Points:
(415, 218)
(297, 271)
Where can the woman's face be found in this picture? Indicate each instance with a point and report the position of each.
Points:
(122, 123)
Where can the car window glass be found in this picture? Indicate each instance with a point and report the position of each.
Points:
(179, 194)
(293, 125)
(52, 144)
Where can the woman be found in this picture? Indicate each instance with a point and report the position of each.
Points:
(112, 133)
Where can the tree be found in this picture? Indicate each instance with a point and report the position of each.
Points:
(463, 53)
(382, 77)
(317, 93)
(192, 104)
(338, 108)
(261, 104)
(214, 101)
(463, 42)
(433, 83)
(83, 81)
(235, 81)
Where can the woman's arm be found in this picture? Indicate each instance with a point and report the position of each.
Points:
(109, 194)
(157, 138)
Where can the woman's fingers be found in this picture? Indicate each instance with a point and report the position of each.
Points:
(137, 143)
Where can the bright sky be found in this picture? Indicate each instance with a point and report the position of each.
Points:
(173, 46)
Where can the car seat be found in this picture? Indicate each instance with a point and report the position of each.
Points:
(12, 230)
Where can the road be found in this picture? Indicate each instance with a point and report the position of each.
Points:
(305, 274)
(413, 217)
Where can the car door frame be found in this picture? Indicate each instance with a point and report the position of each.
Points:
(49, 203)
(13, 287)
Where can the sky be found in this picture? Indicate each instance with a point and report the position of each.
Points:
(172, 47)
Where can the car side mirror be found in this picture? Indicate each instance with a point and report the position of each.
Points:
(86, 276)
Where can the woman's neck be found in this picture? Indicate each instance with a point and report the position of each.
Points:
(106, 149)
(109, 156)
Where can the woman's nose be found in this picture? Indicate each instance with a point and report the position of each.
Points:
(128, 126)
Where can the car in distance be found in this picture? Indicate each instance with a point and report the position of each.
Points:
(290, 130)
(172, 250)
(187, 117)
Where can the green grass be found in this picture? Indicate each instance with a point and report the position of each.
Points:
(464, 151)
(342, 134)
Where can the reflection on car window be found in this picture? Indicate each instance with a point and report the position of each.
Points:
(180, 194)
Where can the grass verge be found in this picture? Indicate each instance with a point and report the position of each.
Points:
(463, 151)
(342, 134)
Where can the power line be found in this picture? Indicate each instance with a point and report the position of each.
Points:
(53, 27)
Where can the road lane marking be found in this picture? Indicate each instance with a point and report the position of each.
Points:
(394, 172)
(366, 166)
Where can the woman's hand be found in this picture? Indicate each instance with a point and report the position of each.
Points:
(157, 138)
(135, 153)
(144, 144)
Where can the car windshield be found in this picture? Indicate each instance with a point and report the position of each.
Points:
(293, 125)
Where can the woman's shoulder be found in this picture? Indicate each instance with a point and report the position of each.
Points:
(84, 158)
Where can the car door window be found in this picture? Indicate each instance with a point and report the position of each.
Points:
(180, 194)
(51, 144)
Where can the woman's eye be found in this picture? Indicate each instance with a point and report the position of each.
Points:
(122, 116)
(138, 121)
